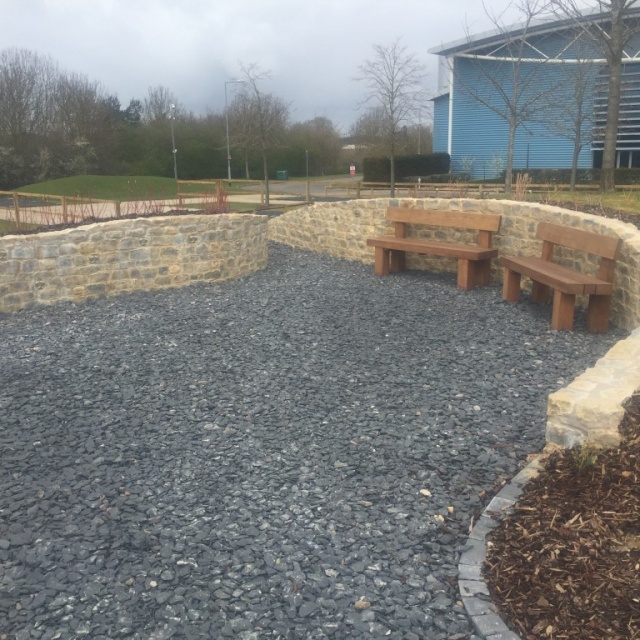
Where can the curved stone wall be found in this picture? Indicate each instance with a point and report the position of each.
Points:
(112, 257)
(590, 408)
(341, 230)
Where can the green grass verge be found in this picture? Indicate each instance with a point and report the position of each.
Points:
(622, 200)
(6, 226)
(106, 187)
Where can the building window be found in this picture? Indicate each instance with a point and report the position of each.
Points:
(628, 140)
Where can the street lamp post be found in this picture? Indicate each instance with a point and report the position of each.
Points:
(174, 151)
(226, 118)
(172, 117)
(306, 158)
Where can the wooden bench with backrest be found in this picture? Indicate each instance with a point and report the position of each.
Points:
(566, 283)
(474, 260)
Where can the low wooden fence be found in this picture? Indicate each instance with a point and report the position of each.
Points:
(25, 210)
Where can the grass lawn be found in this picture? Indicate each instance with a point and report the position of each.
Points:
(107, 187)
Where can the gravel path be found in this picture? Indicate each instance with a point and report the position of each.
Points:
(294, 455)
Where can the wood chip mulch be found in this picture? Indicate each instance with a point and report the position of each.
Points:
(566, 563)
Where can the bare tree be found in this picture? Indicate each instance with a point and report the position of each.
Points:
(611, 33)
(157, 105)
(263, 118)
(572, 117)
(509, 80)
(27, 84)
(242, 134)
(392, 78)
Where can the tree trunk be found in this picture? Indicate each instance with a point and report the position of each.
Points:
(577, 142)
(574, 165)
(614, 58)
(246, 167)
(393, 176)
(266, 178)
(508, 173)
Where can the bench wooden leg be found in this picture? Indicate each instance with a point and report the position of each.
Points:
(465, 274)
(511, 285)
(562, 315)
(382, 262)
(398, 261)
(598, 313)
(473, 273)
(540, 293)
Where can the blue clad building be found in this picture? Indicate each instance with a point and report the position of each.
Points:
(553, 78)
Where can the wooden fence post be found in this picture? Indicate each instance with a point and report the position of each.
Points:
(16, 211)
(117, 208)
(65, 213)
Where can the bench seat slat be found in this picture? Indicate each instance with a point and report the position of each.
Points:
(557, 276)
(451, 250)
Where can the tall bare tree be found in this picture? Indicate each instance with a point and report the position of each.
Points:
(263, 118)
(27, 85)
(610, 33)
(392, 78)
(572, 117)
(510, 80)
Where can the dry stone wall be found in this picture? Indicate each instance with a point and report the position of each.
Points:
(112, 257)
(591, 407)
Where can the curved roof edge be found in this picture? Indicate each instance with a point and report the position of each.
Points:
(535, 27)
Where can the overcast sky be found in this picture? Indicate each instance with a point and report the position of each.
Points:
(312, 48)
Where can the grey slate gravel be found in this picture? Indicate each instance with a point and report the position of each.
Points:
(245, 459)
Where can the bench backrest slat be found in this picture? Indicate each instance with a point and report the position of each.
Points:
(599, 245)
(453, 219)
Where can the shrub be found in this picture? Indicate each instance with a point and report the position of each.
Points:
(379, 169)
(554, 176)
(621, 176)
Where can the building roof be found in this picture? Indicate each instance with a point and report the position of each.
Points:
(535, 27)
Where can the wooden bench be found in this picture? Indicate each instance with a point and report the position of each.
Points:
(565, 282)
(474, 261)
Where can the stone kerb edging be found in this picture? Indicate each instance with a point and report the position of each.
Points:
(473, 588)
(590, 408)
(118, 256)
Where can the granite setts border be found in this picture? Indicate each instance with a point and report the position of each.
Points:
(108, 258)
(473, 588)
(587, 410)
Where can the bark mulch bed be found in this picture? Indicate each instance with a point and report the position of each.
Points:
(566, 563)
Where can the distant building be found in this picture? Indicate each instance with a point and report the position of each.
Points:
(477, 138)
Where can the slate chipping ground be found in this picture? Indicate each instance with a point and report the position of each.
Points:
(251, 459)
